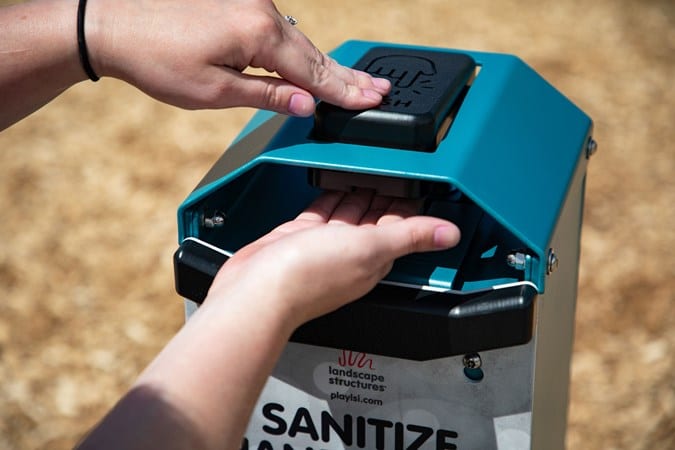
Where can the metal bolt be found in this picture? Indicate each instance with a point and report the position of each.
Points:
(591, 147)
(551, 262)
(215, 221)
(517, 260)
(472, 361)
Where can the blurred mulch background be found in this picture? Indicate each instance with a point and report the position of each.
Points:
(90, 185)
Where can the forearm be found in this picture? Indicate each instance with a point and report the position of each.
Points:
(200, 390)
(38, 56)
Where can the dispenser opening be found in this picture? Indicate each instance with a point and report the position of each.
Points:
(271, 194)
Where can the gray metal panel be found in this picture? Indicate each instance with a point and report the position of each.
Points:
(555, 324)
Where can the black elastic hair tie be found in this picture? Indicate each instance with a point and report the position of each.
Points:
(82, 44)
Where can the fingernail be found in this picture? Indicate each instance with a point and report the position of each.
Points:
(301, 105)
(372, 94)
(446, 236)
(382, 85)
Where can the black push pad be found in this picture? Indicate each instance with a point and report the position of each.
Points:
(426, 87)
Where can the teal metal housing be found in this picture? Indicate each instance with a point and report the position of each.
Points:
(511, 153)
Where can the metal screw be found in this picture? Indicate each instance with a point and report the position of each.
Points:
(552, 262)
(472, 361)
(517, 260)
(215, 221)
(591, 147)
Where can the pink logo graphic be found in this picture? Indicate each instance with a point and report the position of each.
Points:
(353, 359)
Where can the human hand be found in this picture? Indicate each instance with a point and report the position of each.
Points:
(332, 253)
(192, 54)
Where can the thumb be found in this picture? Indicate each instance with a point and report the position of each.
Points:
(265, 92)
(417, 234)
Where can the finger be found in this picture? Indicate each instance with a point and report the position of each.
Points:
(322, 207)
(365, 80)
(317, 213)
(378, 207)
(232, 88)
(412, 235)
(301, 63)
(400, 209)
(352, 207)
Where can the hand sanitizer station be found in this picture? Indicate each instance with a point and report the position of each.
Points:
(462, 349)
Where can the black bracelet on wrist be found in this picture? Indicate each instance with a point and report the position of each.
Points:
(82, 44)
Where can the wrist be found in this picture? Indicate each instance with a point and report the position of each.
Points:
(114, 31)
(262, 306)
(82, 48)
(93, 34)
(107, 40)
